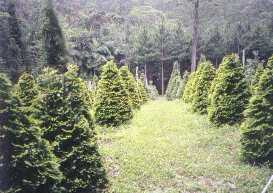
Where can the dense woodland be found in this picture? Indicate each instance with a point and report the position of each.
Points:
(71, 71)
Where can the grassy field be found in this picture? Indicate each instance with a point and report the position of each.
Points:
(168, 149)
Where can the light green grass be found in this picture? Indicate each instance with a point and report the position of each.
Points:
(167, 148)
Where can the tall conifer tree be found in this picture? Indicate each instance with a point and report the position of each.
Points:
(54, 46)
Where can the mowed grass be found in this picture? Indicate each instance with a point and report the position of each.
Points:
(169, 149)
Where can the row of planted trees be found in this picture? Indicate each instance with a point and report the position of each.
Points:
(227, 98)
(48, 139)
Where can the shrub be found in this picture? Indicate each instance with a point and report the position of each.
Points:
(28, 160)
(131, 86)
(229, 93)
(112, 105)
(152, 91)
(144, 97)
(188, 91)
(182, 85)
(202, 86)
(174, 82)
(65, 118)
(257, 128)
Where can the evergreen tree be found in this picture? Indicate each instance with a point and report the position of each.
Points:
(229, 93)
(256, 78)
(131, 86)
(112, 106)
(257, 128)
(30, 166)
(13, 49)
(53, 39)
(203, 83)
(77, 146)
(143, 95)
(188, 91)
(174, 82)
(152, 91)
(182, 85)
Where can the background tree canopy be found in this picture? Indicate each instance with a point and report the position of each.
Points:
(151, 32)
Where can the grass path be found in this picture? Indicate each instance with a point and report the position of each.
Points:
(168, 149)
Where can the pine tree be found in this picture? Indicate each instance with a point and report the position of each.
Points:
(77, 146)
(174, 82)
(257, 128)
(256, 78)
(152, 91)
(53, 39)
(182, 85)
(229, 93)
(188, 91)
(143, 94)
(202, 86)
(29, 162)
(13, 48)
(131, 86)
(112, 106)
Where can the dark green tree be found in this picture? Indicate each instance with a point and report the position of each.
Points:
(229, 93)
(77, 145)
(202, 86)
(30, 165)
(54, 45)
(131, 86)
(257, 128)
(112, 105)
(174, 82)
(143, 94)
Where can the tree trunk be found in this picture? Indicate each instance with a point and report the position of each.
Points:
(244, 57)
(195, 35)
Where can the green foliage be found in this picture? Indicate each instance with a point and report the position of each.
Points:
(29, 163)
(174, 82)
(188, 91)
(229, 93)
(112, 105)
(26, 89)
(53, 40)
(257, 128)
(152, 91)
(131, 86)
(77, 146)
(202, 86)
(182, 85)
(143, 95)
(255, 79)
(65, 118)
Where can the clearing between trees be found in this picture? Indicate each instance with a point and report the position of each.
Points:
(167, 148)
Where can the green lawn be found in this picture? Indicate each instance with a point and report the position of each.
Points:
(167, 148)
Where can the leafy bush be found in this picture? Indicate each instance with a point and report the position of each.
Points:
(203, 82)
(112, 105)
(131, 86)
(229, 93)
(174, 82)
(257, 128)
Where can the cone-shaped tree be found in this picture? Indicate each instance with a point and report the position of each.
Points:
(256, 78)
(202, 86)
(174, 82)
(257, 129)
(53, 40)
(188, 91)
(131, 86)
(12, 46)
(112, 105)
(143, 94)
(229, 93)
(30, 163)
(77, 146)
(182, 85)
